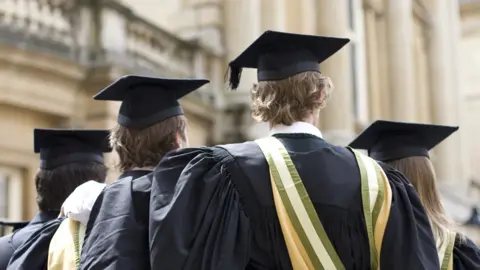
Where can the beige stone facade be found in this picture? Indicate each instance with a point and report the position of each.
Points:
(409, 60)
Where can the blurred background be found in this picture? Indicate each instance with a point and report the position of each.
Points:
(408, 60)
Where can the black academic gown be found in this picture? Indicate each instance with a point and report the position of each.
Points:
(212, 208)
(12, 242)
(117, 231)
(33, 253)
(466, 255)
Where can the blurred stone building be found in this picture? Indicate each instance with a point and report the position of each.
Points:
(408, 60)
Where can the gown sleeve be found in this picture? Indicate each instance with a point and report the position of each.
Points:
(117, 235)
(33, 253)
(466, 255)
(408, 242)
(196, 219)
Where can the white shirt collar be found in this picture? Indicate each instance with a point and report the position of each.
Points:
(296, 127)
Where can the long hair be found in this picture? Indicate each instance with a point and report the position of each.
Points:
(421, 173)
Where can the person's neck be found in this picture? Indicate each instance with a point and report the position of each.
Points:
(310, 120)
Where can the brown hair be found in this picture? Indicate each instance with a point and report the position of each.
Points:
(55, 185)
(420, 172)
(146, 147)
(292, 99)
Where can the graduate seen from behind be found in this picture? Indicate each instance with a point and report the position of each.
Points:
(405, 146)
(68, 158)
(290, 200)
(150, 124)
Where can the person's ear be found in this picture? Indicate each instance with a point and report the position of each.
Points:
(179, 139)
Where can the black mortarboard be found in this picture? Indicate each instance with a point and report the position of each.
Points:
(147, 100)
(387, 140)
(58, 147)
(278, 55)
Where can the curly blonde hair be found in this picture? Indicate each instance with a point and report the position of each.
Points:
(146, 147)
(292, 99)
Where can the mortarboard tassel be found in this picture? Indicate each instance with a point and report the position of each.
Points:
(234, 78)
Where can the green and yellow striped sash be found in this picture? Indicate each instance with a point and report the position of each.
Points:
(445, 251)
(376, 200)
(66, 246)
(307, 243)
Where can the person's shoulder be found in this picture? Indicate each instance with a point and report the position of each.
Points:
(5, 242)
(466, 253)
(248, 149)
(6, 250)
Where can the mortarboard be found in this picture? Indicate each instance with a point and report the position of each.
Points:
(387, 140)
(147, 100)
(278, 55)
(58, 147)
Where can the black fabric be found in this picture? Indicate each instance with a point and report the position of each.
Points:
(9, 244)
(33, 253)
(287, 71)
(71, 158)
(148, 100)
(148, 120)
(117, 231)
(466, 255)
(14, 225)
(388, 140)
(282, 64)
(58, 147)
(212, 208)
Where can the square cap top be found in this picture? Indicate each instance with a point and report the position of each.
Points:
(388, 140)
(58, 147)
(148, 100)
(278, 55)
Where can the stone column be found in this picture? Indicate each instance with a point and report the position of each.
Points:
(337, 119)
(308, 16)
(400, 68)
(444, 88)
(242, 27)
(200, 20)
(273, 15)
(374, 89)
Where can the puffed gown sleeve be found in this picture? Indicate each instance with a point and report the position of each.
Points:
(466, 255)
(408, 242)
(196, 218)
(33, 253)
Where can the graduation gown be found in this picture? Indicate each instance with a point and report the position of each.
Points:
(117, 231)
(29, 243)
(212, 208)
(466, 255)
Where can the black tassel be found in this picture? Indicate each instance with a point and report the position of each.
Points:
(234, 78)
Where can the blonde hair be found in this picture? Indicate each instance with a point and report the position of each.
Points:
(137, 148)
(289, 100)
(421, 173)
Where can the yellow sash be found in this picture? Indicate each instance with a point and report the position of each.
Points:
(445, 251)
(66, 246)
(307, 243)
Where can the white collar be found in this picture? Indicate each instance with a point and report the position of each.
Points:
(296, 127)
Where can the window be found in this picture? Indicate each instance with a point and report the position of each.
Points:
(351, 14)
(11, 194)
(353, 65)
(3, 196)
(357, 61)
